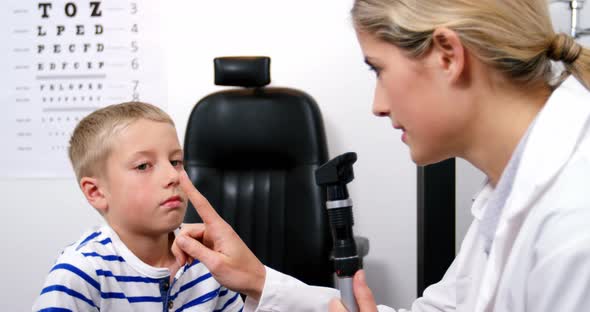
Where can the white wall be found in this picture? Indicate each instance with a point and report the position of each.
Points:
(313, 48)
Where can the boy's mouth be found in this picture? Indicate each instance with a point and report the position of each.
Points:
(172, 202)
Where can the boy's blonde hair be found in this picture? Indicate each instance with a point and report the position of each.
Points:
(514, 36)
(90, 144)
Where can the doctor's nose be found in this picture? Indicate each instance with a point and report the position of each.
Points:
(380, 106)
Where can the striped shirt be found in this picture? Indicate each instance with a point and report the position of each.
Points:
(99, 273)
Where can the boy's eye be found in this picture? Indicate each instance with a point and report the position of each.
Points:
(176, 163)
(143, 167)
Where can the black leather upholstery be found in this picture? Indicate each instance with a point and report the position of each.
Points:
(252, 153)
(242, 71)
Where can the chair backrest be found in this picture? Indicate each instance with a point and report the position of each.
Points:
(253, 152)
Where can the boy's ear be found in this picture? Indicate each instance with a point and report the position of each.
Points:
(449, 52)
(94, 194)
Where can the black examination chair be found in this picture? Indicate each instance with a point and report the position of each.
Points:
(252, 151)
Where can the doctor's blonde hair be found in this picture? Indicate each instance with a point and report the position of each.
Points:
(91, 141)
(514, 36)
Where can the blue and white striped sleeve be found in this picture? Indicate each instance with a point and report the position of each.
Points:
(71, 285)
(228, 301)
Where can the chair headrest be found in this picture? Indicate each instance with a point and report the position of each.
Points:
(263, 128)
(242, 71)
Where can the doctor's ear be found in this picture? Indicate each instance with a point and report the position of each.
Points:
(449, 53)
(94, 193)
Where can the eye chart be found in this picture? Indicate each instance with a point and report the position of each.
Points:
(60, 61)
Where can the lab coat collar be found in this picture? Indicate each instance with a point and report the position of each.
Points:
(480, 200)
(557, 131)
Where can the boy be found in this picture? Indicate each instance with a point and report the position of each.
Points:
(127, 159)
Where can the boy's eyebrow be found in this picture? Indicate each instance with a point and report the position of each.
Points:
(149, 152)
(139, 153)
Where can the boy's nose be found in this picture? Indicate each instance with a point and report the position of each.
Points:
(172, 176)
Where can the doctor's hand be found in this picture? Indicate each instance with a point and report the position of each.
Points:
(218, 247)
(362, 293)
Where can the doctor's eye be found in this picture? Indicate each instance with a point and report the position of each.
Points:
(375, 69)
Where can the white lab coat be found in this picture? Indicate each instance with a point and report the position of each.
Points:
(540, 257)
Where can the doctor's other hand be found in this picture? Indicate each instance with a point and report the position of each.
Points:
(218, 247)
(362, 293)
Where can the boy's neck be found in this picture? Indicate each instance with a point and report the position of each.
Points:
(154, 251)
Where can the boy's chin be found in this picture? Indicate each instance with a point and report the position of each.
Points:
(177, 220)
(170, 227)
(176, 226)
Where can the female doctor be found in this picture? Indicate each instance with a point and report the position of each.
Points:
(470, 79)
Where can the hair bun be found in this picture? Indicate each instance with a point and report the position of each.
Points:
(564, 48)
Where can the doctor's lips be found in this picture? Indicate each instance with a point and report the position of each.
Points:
(172, 202)
(404, 135)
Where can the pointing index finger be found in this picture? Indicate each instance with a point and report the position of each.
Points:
(201, 204)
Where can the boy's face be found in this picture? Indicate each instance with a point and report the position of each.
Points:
(141, 182)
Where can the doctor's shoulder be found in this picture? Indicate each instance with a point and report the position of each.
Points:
(561, 215)
(553, 246)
